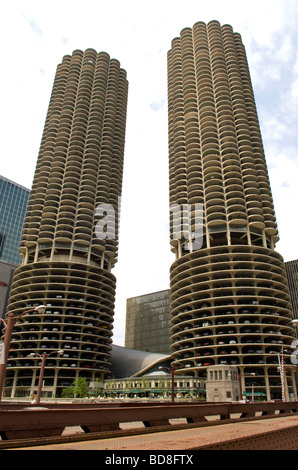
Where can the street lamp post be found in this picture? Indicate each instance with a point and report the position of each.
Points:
(43, 357)
(9, 325)
(294, 345)
(172, 385)
(282, 373)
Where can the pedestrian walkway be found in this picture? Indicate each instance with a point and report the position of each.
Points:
(191, 439)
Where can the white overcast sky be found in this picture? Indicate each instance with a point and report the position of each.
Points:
(35, 35)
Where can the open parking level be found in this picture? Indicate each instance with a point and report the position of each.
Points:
(22, 426)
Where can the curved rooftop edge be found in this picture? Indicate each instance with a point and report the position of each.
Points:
(133, 363)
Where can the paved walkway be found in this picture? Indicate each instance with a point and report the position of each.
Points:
(187, 439)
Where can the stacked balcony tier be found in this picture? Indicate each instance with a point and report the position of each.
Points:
(230, 305)
(78, 319)
(216, 155)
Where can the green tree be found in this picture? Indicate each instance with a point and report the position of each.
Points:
(78, 389)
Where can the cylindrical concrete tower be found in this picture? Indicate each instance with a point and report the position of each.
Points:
(229, 295)
(70, 237)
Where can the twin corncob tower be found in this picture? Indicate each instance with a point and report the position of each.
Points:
(67, 259)
(229, 298)
(229, 295)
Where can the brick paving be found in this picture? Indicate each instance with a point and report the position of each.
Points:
(187, 439)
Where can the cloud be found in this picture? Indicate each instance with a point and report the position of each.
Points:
(157, 105)
(36, 30)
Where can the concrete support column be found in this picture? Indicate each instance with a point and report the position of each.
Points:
(267, 385)
(13, 391)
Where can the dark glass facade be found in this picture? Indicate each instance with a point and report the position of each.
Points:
(292, 275)
(148, 322)
(13, 204)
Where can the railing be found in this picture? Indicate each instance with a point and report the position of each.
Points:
(24, 422)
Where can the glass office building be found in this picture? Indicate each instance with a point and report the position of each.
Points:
(148, 322)
(292, 275)
(13, 204)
